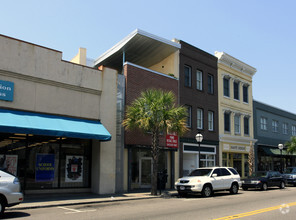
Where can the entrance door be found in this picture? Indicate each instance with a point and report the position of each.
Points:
(145, 172)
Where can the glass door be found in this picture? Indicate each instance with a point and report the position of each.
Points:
(145, 172)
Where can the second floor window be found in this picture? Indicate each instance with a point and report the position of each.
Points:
(187, 76)
(285, 128)
(199, 79)
(246, 126)
(188, 124)
(293, 130)
(211, 121)
(263, 123)
(237, 124)
(275, 126)
(227, 121)
(210, 84)
(199, 118)
(226, 87)
(245, 94)
(236, 90)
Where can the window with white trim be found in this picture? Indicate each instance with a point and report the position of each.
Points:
(246, 93)
(198, 79)
(187, 76)
(188, 122)
(227, 121)
(211, 121)
(293, 130)
(275, 126)
(236, 90)
(263, 123)
(226, 86)
(199, 118)
(207, 160)
(246, 125)
(237, 124)
(285, 128)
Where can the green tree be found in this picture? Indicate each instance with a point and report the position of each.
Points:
(154, 112)
(291, 145)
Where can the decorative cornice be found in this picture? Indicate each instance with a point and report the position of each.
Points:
(234, 63)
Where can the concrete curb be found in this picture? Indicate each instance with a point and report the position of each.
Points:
(56, 203)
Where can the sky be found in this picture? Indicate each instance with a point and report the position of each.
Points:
(259, 33)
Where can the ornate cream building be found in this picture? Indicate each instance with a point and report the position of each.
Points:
(236, 133)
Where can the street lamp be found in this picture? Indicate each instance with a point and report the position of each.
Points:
(281, 147)
(199, 138)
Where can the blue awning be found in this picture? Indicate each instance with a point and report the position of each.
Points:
(41, 124)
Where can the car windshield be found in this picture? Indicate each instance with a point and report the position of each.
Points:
(259, 174)
(290, 170)
(201, 172)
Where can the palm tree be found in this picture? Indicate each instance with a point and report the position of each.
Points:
(154, 112)
(291, 145)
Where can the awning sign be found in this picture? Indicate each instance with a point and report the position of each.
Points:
(171, 141)
(6, 90)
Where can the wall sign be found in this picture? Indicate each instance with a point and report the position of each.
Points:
(6, 90)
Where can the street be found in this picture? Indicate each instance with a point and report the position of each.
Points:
(252, 204)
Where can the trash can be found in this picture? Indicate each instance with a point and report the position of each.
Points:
(162, 179)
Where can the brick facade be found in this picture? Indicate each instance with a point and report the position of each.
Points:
(138, 80)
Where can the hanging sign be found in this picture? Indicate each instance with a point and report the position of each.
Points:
(6, 90)
(172, 141)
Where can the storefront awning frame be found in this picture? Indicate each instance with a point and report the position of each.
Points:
(12, 121)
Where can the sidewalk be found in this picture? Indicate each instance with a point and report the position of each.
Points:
(49, 200)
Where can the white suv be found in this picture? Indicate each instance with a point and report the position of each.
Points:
(209, 179)
(10, 191)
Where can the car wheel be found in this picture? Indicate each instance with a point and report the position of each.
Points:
(2, 206)
(245, 188)
(264, 187)
(282, 185)
(207, 191)
(234, 188)
(182, 194)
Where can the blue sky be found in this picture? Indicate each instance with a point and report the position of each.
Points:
(260, 33)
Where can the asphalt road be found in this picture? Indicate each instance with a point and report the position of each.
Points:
(252, 204)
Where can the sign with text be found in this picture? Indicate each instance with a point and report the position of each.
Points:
(171, 141)
(6, 90)
(44, 170)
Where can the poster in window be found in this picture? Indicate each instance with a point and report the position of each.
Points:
(44, 170)
(8, 163)
(74, 169)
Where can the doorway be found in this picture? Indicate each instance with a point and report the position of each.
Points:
(145, 172)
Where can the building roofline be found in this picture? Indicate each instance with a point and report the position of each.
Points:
(117, 47)
(30, 43)
(235, 63)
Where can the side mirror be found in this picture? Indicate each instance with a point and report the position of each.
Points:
(214, 175)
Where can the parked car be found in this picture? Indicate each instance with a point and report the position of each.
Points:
(263, 180)
(10, 191)
(208, 180)
(290, 175)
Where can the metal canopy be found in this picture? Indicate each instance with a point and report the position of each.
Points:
(140, 48)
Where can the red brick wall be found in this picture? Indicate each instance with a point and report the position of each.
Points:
(138, 80)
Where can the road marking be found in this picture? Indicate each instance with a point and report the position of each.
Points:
(255, 212)
(75, 210)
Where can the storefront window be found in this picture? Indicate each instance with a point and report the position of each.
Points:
(44, 162)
